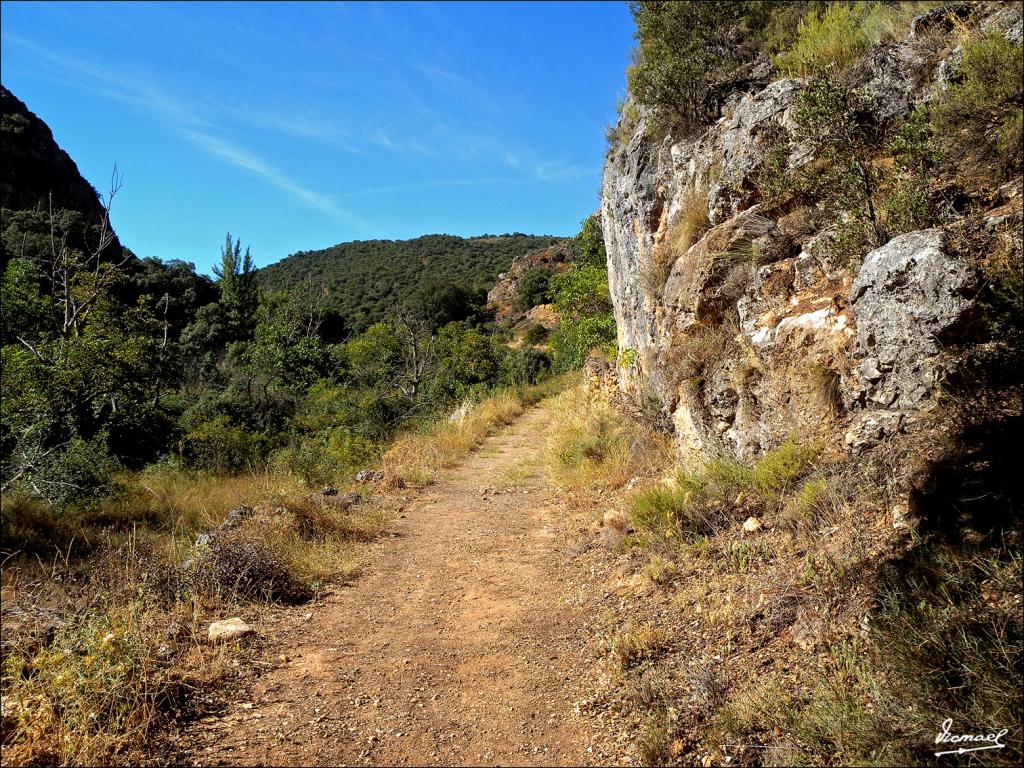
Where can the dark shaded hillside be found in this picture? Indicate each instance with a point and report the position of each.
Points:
(365, 277)
(34, 166)
(37, 174)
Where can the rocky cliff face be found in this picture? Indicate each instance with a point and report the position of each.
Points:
(759, 333)
(35, 167)
(505, 292)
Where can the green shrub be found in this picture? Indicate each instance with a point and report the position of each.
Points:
(917, 153)
(326, 457)
(535, 334)
(981, 112)
(838, 36)
(660, 511)
(777, 470)
(84, 469)
(588, 245)
(525, 366)
(839, 126)
(468, 363)
(909, 206)
(572, 341)
(581, 290)
(715, 496)
(222, 447)
(581, 298)
(533, 289)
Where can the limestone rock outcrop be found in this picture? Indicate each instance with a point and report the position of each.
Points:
(760, 332)
(908, 296)
(504, 294)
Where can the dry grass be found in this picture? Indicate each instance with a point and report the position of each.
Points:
(591, 447)
(689, 224)
(415, 459)
(691, 221)
(174, 504)
(631, 645)
(184, 504)
(113, 650)
(699, 352)
(815, 505)
(95, 686)
(659, 570)
(825, 388)
(516, 475)
(845, 643)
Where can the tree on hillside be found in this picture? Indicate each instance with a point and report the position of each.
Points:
(439, 303)
(588, 245)
(533, 289)
(581, 299)
(239, 294)
(287, 347)
(75, 257)
(684, 48)
(840, 126)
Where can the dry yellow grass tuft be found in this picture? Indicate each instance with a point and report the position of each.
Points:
(183, 503)
(415, 459)
(632, 645)
(692, 220)
(592, 447)
(689, 224)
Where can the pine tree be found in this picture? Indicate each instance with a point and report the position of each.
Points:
(239, 294)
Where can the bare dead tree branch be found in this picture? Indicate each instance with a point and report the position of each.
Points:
(32, 349)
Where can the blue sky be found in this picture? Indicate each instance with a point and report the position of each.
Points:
(300, 125)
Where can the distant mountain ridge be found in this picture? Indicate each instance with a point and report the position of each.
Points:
(364, 278)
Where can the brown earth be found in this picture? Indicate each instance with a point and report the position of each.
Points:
(465, 641)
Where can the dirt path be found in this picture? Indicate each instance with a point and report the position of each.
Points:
(460, 644)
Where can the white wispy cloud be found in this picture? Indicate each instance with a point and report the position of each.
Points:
(438, 184)
(561, 171)
(188, 120)
(245, 160)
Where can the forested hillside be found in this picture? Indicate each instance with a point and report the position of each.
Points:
(35, 171)
(364, 279)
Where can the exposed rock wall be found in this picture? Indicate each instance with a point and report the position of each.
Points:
(744, 351)
(504, 294)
